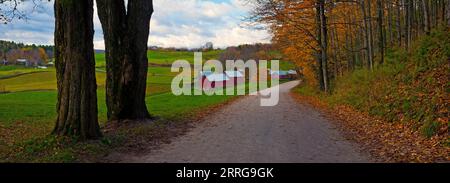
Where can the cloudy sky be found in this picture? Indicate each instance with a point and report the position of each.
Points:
(175, 23)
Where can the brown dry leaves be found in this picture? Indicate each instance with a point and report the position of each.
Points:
(386, 142)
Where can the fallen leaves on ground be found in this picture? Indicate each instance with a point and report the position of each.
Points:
(385, 141)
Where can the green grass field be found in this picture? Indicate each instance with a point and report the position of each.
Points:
(28, 102)
(11, 71)
(166, 57)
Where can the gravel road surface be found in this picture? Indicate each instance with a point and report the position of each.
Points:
(245, 132)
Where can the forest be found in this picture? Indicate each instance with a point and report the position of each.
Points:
(35, 54)
(330, 38)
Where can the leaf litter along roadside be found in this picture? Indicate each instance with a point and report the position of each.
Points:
(385, 141)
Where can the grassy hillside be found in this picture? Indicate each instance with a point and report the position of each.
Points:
(10, 71)
(166, 57)
(409, 87)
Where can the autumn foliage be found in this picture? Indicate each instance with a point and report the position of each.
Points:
(351, 34)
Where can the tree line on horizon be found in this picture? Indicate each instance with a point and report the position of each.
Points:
(11, 51)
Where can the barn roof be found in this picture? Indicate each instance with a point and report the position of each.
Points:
(217, 77)
(280, 73)
(205, 73)
(234, 74)
(292, 72)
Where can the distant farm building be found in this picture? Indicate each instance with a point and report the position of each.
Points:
(236, 77)
(24, 62)
(50, 64)
(202, 76)
(292, 74)
(214, 80)
(279, 74)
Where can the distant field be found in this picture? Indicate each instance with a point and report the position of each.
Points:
(10, 71)
(166, 57)
(159, 79)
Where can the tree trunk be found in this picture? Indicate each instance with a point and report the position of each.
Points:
(380, 30)
(349, 45)
(433, 13)
(126, 32)
(368, 34)
(426, 16)
(443, 11)
(408, 25)
(448, 14)
(333, 50)
(391, 35)
(75, 70)
(319, 52)
(369, 12)
(324, 44)
(399, 24)
(337, 51)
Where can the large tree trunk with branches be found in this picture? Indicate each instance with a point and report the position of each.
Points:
(126, 31)
(75, 70)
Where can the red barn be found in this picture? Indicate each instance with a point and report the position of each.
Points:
(236, 77)
(215, 81)
(201, 77)
(279, 74)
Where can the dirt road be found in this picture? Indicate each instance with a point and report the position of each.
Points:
(246, 132)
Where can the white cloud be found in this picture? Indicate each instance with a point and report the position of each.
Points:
(175, 23)
(191, 23)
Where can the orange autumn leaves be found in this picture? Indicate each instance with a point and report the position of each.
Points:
(295, 32)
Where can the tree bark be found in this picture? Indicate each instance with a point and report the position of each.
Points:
(319, 52)
(448, 13)
(426, 16)
(443, 11)
(408, 25)
(75, 70)
(399, 23)
(391, 34)
(380, 30)
(324, 43)
(337, 50)
(126, 31)
(369, 12)
(368, 33)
